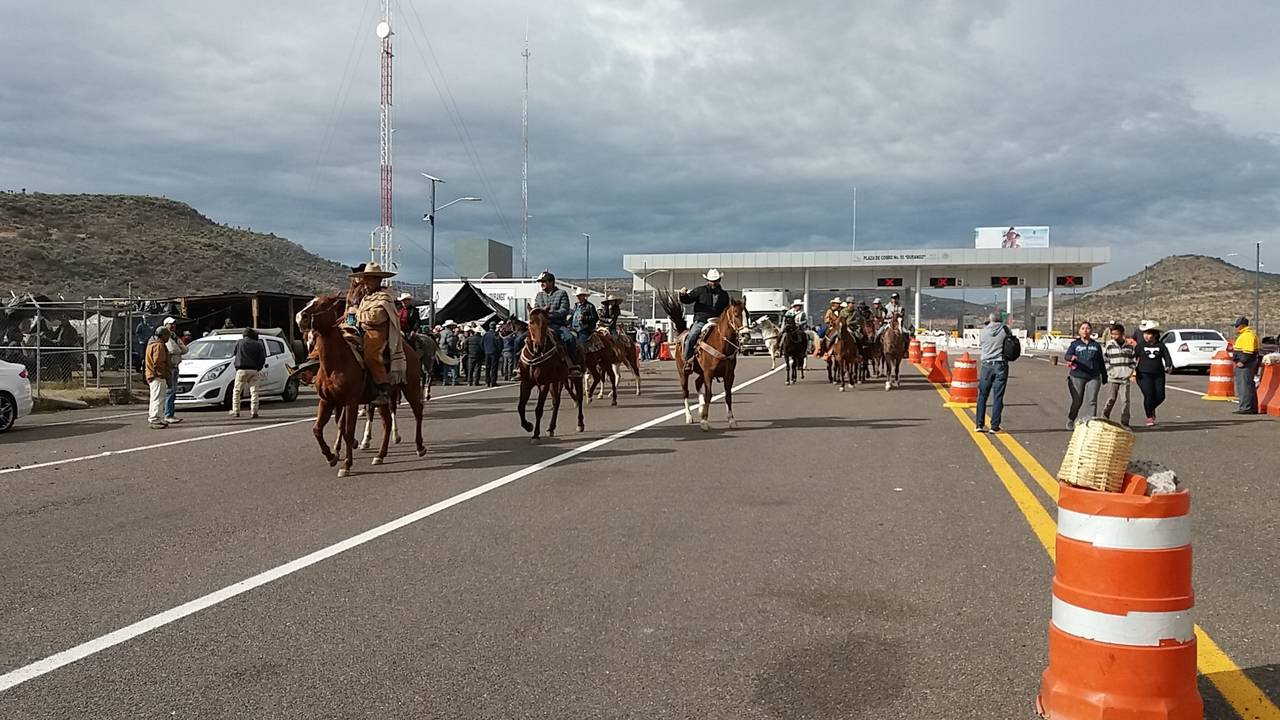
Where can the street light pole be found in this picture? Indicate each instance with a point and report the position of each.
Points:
(431, 218)
(1257, 283)
(587, 282)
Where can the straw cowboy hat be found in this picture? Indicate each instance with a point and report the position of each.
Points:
(372, 269)
(582, 292)
(835, 300)
(1146, 325)
(713, 274)
(797, 303)
(403, 297)
(450, 323)
(613, 298)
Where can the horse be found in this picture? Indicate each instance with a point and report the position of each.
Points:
(844, 356)
(599, 357)
(770, 333)
(342, 383)
(869, 349)
(624, 354)
(794, 345)
(545, 363)
(715, 356)
(893, 347)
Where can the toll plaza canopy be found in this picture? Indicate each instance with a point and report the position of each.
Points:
(911, 270)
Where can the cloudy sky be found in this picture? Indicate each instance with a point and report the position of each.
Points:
(667, 125)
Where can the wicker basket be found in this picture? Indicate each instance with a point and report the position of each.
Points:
(1097, 456)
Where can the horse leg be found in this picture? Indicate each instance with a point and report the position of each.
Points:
(728, 398)
(415, 404)
(704, 406)
(526, 385)
(323, 412)
(556, 390)
(368, 427)
(348, 437)
(388, 415)
(684, 394)
(537, 411)
(591, 391)
(613, 385)
(575, 392)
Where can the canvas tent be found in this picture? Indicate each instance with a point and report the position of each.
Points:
(471, 304)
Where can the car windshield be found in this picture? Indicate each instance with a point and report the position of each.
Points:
(211, 350)
(1201, 335)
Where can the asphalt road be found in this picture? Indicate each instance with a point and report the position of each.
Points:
(838, 555)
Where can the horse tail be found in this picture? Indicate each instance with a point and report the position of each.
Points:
(671, 305)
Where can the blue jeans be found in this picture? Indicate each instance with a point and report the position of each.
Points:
(569, 338)
(691, 342)
(450, 375)
(172, 396)
(1246, 391)
(993, 376)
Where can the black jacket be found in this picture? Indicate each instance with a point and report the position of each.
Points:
(1153, 359)
(707, 303)
(251, 354)
(475, 346)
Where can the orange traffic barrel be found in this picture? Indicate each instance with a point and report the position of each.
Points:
(928, 352)
(1269, 391)
(664, 352)
(964, 383)
(939, 372)
(1221, 378)
(913, 350)
(1122, 642)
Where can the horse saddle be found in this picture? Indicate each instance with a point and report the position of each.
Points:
(355, 341)
(595, 341)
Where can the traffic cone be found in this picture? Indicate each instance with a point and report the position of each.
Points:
(940, 373)
(913, 350)
(1222, 382)
(1121, 640)
(964, 384)
(664, 352)
(928, 352)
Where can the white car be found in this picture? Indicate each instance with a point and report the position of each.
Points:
(15, 394)
(1193, 348)
(206, 375)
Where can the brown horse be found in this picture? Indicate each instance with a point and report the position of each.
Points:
(545, 363)
(844, 355)
(716, 356)
(869, 350)
(600, 362)
(342, 383)
(893, 347)
(793, 344)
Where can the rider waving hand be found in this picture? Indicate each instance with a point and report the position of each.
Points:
(708, 301)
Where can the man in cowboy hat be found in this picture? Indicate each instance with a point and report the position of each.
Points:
(378, 321)
(708, 301)
(797, 314)
(894, 307)
(610, 312)
(556, 302)
(409, 315)
(176, 350)
(832, 314)
(584, 318)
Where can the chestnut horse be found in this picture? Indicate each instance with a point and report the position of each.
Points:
(342, 383)
(843, 356)
(893, 347)
(715, 358)
(545, 363)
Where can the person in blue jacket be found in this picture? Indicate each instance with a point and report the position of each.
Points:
(1087, 372)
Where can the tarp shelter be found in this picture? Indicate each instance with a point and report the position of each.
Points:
(247, 309)
(470, 304)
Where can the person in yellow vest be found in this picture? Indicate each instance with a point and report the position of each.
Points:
(1246, 356)
(375, 314)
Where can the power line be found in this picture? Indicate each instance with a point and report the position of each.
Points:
(345, 83)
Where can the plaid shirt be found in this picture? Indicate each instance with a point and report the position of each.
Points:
(1120, 360)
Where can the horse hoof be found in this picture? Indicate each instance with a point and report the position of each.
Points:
(343, 472)
(551, 433)
(535, 441)
(706, 426)
(582, 428)
(377, 461)
(363, 446)
(841, 388)
(888, 384)
(733, 424)
(333, 462)
(422, 452)
(613, 403)
(688, 419)
(528, 427)
(398, 440)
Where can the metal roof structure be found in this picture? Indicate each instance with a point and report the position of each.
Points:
(911, 269)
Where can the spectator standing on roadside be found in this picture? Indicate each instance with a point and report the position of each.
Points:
(475, 355)
(642, 337)
(176, 350)
(1154, 362)
(1245, 355)
(509, 354)
(157, 372)
(1084, 380)
(993, 374)
(492, 346)
(449, 343)
(250, 357)
(1120, 358)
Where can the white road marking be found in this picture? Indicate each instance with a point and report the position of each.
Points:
(146, 625)
(198, 438)
(82, 420)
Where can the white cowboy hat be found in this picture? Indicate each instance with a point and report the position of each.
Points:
(373, 269)
(796, 302)
(835, 301)
(894, 295)
(404, 296)
(876, 302)
(582, 292)
(1146, 325)
(169, 321)
(613, 298)
(844, 304)
(450, 323)
(713, 274)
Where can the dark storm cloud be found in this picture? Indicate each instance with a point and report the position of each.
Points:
(664, 126)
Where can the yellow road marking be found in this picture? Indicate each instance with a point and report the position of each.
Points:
(1244, 696)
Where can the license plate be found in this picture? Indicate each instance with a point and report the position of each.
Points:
(184, 388)
(1206, 348)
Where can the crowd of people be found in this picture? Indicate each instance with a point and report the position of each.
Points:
(1108, 367)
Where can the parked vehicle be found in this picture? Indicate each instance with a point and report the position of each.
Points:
(1193, 348)
(206, 377)
(15, 394)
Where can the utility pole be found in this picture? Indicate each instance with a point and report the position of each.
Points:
(524, 159)
(587, 282)
(854, 247)
(1257, 284)
(384, 253)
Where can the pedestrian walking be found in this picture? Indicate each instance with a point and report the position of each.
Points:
(475, 356)
(1154, 363)
(492, 346)
(1120, 357)
(1084, 379)
(157, 371)
(993, 374)
(250, 357)
(176, 350)
(1247, 358)
(642, 337)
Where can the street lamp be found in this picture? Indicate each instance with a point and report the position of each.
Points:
(431, 218)
(587, 282)
(1257, 283)
(653, 295)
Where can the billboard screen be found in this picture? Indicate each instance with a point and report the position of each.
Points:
(1010, 237)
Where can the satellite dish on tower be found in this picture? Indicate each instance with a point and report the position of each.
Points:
(383, 29)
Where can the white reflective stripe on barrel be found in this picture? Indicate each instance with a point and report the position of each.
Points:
(1105, 531)
(1223, 379)
(960, 384)
(1145, 629)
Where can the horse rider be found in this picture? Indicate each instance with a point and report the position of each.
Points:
(556, 302)
(409, 315)
(708, 301)
(584, 318)
(378, 321)
(832, 315)
(892, 310)
(797, 315)
(611, 312)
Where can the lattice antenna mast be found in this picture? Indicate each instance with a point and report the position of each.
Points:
(384, 252)
(524, 161)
